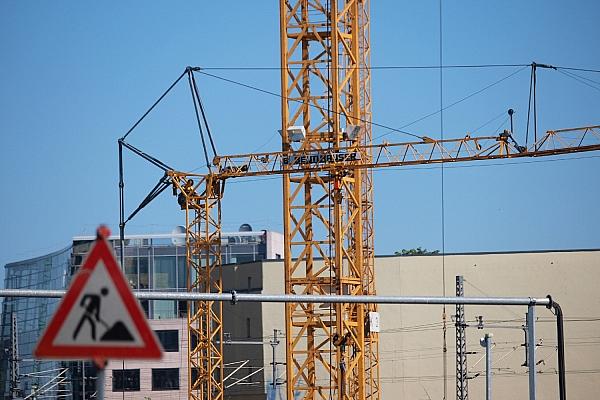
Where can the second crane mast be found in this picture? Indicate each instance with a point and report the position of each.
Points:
(328, 215)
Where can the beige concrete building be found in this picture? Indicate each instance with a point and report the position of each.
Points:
(411, 349)
(411, 355)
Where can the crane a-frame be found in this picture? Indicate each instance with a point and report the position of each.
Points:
(326, 166)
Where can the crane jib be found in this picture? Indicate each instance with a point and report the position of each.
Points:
(321, 158)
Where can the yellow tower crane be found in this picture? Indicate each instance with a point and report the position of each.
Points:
(315, 335)
(326, 165)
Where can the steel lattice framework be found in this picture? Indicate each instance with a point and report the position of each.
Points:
(201, 201)
(462, 385)
(327, 214)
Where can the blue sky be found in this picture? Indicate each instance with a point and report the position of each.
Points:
(75, 76)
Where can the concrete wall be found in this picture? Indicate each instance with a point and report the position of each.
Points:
(412, 361)
(242, 325)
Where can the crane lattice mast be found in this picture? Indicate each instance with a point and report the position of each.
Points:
(325, 85)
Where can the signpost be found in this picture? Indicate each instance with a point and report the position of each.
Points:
(99, 318)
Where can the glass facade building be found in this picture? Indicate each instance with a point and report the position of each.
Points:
(51, 271)
(151, 262)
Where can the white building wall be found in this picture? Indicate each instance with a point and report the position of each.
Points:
(274, 245)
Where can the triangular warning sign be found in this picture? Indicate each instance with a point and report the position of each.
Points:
(99, 318)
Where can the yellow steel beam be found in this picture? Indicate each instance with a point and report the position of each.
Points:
(201, 200)
(427, 151)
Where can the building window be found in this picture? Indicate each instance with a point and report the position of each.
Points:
(165, 272)
(164, 309)
(165, 379)
(169, 339)
(125, 380)
(131, 271)
(182, 309)
(146, 307)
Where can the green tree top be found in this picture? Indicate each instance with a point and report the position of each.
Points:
(416, 252)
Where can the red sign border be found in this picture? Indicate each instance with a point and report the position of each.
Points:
(150, 350)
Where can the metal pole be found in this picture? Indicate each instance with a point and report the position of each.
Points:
(14, 357)
(274, 344)
(83, 378)
(531, 349)
(302, 298)
(461, 344)
(535, 105)
(121, 207)
(487, 343)
(560, 336)
(100, 378)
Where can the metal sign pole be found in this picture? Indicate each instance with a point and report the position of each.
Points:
(486, 342)
(100, 379)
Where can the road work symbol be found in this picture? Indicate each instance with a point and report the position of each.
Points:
(98, 318)
(91, 303)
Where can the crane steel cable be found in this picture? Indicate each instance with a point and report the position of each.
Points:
(154, 105)
(488, 122)
(199, 99)
(255, 88)
(580, 79)
(580, 69)
(454, 103)
(194, 100)
(372, 68)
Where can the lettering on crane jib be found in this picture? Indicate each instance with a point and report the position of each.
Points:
(326, 158)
